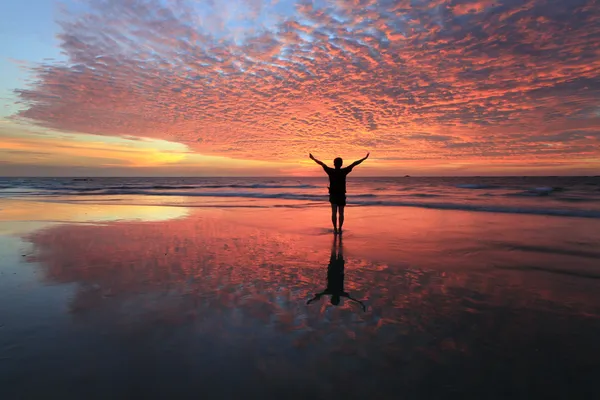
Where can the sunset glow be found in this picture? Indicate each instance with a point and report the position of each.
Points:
(250, 87)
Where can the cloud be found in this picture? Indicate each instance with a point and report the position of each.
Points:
(462, 8)
(273, 80)
(431, 138)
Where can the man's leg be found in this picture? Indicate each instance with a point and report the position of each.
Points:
(334, 209)
(341, 209)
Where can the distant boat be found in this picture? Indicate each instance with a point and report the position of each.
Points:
(407, 176)
(82, 179)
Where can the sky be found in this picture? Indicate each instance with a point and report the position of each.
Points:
(250, 87)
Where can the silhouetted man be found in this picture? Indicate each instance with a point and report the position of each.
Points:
(335, 277)
(337, 187)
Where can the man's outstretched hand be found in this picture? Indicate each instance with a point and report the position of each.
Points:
(311, 156)
(367, 156)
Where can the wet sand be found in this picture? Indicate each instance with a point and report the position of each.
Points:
(109, 301)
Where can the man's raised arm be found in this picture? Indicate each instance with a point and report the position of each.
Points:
(355, 163)
(321, 163)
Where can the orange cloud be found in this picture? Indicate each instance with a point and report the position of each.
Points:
(474, 6)
(472, 81)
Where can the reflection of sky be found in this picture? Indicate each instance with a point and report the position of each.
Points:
(25, 216)
(225, 298)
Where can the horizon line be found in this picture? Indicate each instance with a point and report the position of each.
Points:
(296, 177)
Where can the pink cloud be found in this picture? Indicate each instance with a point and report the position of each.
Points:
(339, 79)
(474, 6)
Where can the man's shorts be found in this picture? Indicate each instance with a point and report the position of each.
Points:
(339, 199)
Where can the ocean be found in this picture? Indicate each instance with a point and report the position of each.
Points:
(553, 196)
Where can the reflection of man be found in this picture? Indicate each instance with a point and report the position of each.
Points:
(335, 277)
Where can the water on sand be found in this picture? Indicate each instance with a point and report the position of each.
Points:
(134, 300)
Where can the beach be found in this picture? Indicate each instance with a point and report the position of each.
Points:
(125, 296)
(300, 199)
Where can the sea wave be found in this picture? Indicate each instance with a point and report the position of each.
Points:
(258, 186)
(476, 186)
(424, 195)
(260, 195)
(364, 200)
(540, 191)
(577, 252)
(487, 208)
(134, 188)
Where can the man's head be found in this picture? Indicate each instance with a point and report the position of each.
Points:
(338, 162)
(335, 299)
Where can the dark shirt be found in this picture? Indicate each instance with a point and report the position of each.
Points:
(337, 179)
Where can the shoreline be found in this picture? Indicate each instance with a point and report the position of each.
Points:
(426, 238)
(295, 201)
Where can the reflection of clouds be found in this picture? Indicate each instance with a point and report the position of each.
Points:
(225, 294)
(229, 265)
(445, 78)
